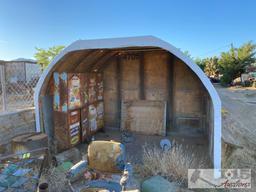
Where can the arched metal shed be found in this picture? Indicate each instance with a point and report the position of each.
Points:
(140, 69)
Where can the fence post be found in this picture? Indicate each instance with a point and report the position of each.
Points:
(3, 83)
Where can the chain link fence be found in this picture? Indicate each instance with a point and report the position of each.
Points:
(17, 83)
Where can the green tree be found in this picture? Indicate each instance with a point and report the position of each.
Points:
(45, 56)
(233, 63)
(200, 63)
(211, 68)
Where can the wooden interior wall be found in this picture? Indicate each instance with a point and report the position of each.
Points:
(158, 80)
(154, 75)
(135, 76)
(189, 99)
(111, 104)
(130, 77)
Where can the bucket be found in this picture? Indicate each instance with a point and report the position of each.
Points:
(43, 187)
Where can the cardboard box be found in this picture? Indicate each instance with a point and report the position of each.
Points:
(100, 115)
(92, 116)
(84, 89)
(67, 95)
(92, 88)
(85, 131)
(67, 128)
(99, 89)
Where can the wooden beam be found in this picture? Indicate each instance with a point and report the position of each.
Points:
(142, 76)
(99, 61)
(82, 59)
(170, 106)
(85, 64)
(65, 64)
(104, 61)
(119, 93)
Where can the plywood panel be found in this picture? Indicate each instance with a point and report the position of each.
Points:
(187, 90)
(142, 116)
(188, 95)
(130, 79)
(156, 75)
(110, 94)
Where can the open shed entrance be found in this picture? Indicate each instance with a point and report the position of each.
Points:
(146, 90)
(149, 88)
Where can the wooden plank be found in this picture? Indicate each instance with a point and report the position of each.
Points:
(170, 100)
(119, 78)
(111, 94)
(142, 88)
(156, 75)
(88, 61)
(130, 77)
(145, 117)
(102, 61)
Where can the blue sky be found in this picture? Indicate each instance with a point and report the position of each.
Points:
(202, 27)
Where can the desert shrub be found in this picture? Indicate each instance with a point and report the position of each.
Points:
(173, 164)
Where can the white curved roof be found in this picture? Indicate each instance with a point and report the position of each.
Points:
(143, 41)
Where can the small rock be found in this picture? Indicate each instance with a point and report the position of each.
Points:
(159, 184)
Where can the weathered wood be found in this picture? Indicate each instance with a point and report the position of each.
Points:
(130, 79)
(188, 96)
(110, 84)
(102, 64)
(119, 78)
(142, 71)
(64, 65)
(146, 117)
(101, 61)
(28, 141)
(89, 61)
(170, 110)
(156, 75)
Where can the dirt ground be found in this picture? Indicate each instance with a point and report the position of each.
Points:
(134, 148)
(239, 104)
(239, 127)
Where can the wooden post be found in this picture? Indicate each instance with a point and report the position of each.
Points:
(141, 73)
(2, 68)
(119, 87)
(171, 112)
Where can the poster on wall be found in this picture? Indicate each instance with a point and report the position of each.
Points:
(100, 113)
(92, 88)
(74, 92)
(84, 123)
(99, 87)
(84, 89)
(92, 118)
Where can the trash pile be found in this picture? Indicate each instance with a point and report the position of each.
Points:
(103, 168)
(21, 176)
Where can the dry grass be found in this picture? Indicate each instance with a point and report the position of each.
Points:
(173, 165)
